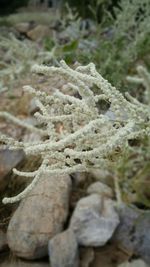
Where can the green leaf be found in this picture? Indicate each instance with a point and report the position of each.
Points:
(70, 47)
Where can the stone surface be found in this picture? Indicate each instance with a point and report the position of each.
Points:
(39, 32)
(124, 232)
(63, 250)
(39, 217)
(142, 237)
(100, 189)
(8, 160)
(94, 220)
(22, 27)
(103, 176)
(20, 263)
(134, 263)
(133, 232)
(3, 241)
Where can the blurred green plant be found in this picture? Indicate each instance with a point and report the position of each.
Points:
(133, 167)
(124, 42)
(73, 40)
(36, 16)
(115, 45)
(16, 58)
(94, 9)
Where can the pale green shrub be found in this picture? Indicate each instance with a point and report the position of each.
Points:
(87, 138)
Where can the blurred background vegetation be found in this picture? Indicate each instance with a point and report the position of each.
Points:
(8, 6)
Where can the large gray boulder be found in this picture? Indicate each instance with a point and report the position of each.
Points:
(39, 217)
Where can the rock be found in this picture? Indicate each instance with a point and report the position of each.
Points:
(63, 250)
(3, 241)
(39, 217)
(124, 232)
(20, 263)
(22, 27)
(100, 189)
(103, 176)
(39, 32)
(133, 232)
(134, 263)
(8, 160)
(94, 220)
(142, 237)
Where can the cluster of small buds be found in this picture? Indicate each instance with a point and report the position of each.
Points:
(77, 136)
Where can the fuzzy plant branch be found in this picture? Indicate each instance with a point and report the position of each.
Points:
(143, 78)
(77, 135)
(21, 123)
